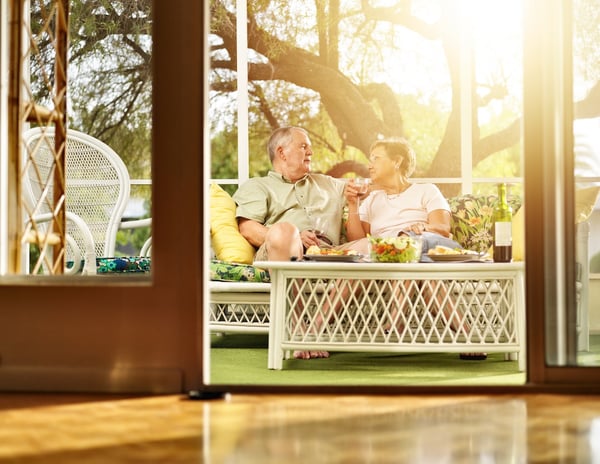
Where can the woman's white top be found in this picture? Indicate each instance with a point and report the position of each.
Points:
(390, 214)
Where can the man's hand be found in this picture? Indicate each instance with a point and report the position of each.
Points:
(309, 238)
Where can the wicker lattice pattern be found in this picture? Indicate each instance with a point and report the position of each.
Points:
(43, 103)
(242, 317)
(431, 312)
(239, 307)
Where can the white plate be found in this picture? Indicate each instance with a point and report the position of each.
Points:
(461, 257)
(339, 258)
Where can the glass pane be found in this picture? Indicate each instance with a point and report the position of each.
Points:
(586, 141)
(447, 76)
(85, 166)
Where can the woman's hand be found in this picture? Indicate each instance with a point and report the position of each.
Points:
(354, 192)
(438, 221)
(417, 228)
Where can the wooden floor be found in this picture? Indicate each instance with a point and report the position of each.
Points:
(299, 429)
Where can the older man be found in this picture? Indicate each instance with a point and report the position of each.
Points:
(279, 213)
(291, 208)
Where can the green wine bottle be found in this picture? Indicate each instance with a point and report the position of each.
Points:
(502, 231)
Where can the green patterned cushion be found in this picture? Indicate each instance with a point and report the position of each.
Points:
(123, 264)
(119, 265)
(472, 219)
(234, 272)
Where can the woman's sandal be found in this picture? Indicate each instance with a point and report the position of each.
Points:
(473, 356)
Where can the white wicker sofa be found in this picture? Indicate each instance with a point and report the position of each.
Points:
(239, 292)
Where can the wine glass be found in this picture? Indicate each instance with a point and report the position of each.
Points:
(362, 184)
(320, 226)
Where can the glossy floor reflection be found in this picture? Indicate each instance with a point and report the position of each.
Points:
(300, 429)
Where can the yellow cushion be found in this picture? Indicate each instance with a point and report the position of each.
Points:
(518, 235)
(227, 242)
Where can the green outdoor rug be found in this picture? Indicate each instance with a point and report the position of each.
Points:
(591, 357)
(241, 359)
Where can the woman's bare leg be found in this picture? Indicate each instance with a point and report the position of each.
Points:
(401, 294)
(445, 304)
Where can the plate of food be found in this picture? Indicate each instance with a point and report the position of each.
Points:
(314, 253)
(340, 258)
(401, 249)
(444, 254)
(456, 257)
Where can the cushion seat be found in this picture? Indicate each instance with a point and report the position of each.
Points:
(120, 265)
(472, 219)
(236, 272)
(126, 264)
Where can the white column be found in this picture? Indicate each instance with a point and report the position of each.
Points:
(242, 92)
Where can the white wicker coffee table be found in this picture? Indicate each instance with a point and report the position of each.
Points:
(485, 301)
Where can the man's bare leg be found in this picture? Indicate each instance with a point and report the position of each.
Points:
(337, 295)
(310, 354)
(340, 292)
(282, 242)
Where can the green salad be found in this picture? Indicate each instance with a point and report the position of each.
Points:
(402, 249)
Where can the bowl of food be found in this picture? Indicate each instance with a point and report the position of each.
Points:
(403, 249)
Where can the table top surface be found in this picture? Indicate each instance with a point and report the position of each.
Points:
(370, 266)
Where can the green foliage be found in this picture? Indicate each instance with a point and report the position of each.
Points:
(223, 148)
(403, 79)
(110, 85)
(130, 241)
(110, 80)
(504, 163)
(424, 128)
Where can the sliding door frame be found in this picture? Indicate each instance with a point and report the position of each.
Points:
(150, 335)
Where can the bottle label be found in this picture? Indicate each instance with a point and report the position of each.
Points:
(502, 234)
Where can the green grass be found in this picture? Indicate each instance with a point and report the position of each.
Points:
(241, 359)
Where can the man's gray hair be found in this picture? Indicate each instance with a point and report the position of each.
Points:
(281, 137)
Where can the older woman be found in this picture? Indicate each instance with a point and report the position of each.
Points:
(396, 206)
